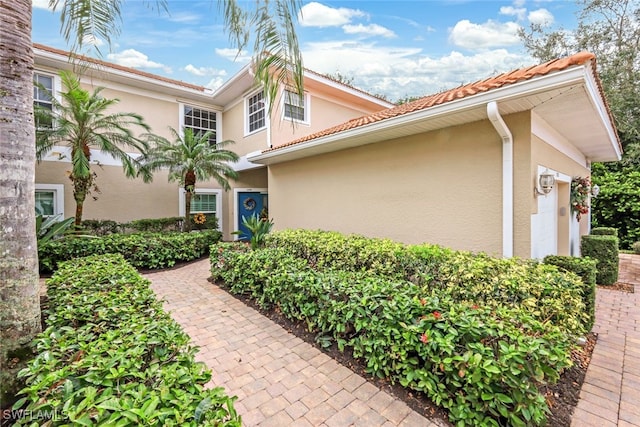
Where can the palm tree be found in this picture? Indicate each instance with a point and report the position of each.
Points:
(81, 122)
(189, 159)
(276, 49)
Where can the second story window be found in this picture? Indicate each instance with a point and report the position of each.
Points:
(295, 107)
(256, 115)
(201, 121)
(42, 91)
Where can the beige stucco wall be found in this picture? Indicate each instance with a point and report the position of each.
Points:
(440, 187)
(520, 127)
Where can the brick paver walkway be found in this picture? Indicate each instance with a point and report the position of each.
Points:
(611, 390)
(282, 381)
(279, 379)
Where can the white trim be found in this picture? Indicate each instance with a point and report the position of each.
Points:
(597, 102)
(218, 192)
(549, 135)
(234, 214)
(306, 103)
(574, 75)
(248, 132)
(507, 177)
(58, 197)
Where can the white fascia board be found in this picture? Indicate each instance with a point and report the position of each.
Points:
(601, 108)
(348, 89)
(243, 164)
(516, 90)
(549, 135)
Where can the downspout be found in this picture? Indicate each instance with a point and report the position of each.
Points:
(507, 177)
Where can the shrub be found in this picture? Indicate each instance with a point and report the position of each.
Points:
(156, 225)
(144, 250)
(101, 227)
(482, 363)
(210, 221)
(604, 231)
(585, 268)
(604, 249)
(110, 355)
(636, 248)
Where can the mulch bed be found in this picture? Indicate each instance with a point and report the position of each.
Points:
(561, 397)
(619, 286)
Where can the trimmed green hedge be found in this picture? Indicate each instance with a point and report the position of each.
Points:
(604, 231)
(604, 249)
(110, 355)
(586, 269)
(145, 250)
(482, 360)
(636, 248)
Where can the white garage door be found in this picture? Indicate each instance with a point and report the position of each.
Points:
(544, 226)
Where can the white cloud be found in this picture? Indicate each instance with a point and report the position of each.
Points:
(41, 4)
(402, 71)
(215, 83)
(134, 59)
(204, 71)
(368, 30)
(93, 41)
(491, 34)
(233, 55)
(184, 17)
(316, 14)
(519, 12)
(541, 17)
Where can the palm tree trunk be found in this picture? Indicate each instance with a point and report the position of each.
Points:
(187, 214)
(19, 286)
(80, 189)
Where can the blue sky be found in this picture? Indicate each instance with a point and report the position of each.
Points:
(394, 48)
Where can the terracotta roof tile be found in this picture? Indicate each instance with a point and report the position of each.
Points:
(470, 89)
(118, 67)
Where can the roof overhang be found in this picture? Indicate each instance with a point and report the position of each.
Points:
(569, 100)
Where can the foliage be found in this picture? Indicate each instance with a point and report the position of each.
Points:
(100, 227)
(258, 230)
(580, 194)
(110, 355)
(83, 121)
(604, 231)
(191, 158)
(586, 269)
(51, 228)
(144, 250)
(618, 204)
(604, 249)
(483, 363)
(156, 225)
(636, 248)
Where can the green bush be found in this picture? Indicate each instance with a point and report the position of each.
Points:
(482, 362)
(586, 269)
(636, 248)
(604, 231)
(156, 225)
(144, 250)
(110, 355)
(211, 222)
(101, 227)
(604, 249)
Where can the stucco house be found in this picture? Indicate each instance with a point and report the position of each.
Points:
(461, 168)
(236, 111)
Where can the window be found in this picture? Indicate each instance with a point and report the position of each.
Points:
(255, 112)
(206, 200)
(50, 200)
(42, 90)
(201, 121)
(205, 203)
(295, 106)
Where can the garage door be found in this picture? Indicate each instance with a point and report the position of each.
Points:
(544, 226)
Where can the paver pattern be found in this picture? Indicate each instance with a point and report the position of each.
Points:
(611, 390)
(281, 380)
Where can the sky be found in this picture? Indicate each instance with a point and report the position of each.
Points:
(391, 48)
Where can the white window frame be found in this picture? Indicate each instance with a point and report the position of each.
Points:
(197, 107)
(218, 193)
(286, 95)
(56, 85)
(247, 127)
(58, 197)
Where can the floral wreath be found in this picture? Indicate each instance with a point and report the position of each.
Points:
(580, 190)
(200, 218)
(249, 204)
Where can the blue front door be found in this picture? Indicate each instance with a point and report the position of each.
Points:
(249, 203)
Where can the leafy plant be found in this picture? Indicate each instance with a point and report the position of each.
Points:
(51, 228)
(636, 248)
(110, 355)
(603, 248)
(258, 229)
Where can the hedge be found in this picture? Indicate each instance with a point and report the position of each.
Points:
(586, 269)
(143, 250)
(604, 231)
(604, 249)
(482, 362)
(110, 355)
(636, 248)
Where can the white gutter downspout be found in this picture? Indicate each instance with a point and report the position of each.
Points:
(507, 177)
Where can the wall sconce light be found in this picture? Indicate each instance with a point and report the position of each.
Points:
(595, 190)
(546, 181)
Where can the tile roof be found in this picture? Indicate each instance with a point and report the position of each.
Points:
(455, 94)
(118, 67)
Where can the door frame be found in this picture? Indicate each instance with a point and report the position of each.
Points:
(236, 223)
